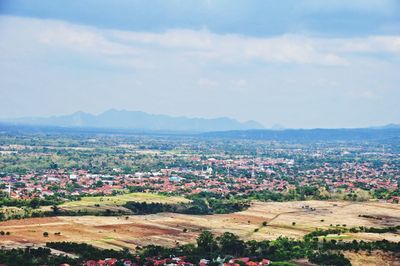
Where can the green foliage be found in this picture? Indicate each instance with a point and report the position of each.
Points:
(334, 259)
(197, 206)
(231, 244)
(206, 243)
(33, 203)
(281, 263)
(87, 251)
(34, 257)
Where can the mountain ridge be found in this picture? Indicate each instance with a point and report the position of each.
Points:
(123, 119)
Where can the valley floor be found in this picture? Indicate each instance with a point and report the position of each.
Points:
(291, 219)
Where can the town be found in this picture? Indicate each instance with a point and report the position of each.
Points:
(183, 168)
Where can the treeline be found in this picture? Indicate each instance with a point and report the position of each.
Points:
(361, 229)
(383, 193)
(141, 208)
(300, 193)
(225, 246)
(89, 252)
(356, 246)
(228, 246)
(31, 203)
(376, 230)
(318, 233)
(34, 257)
(328, 258)
(25, 208)
(197, 206)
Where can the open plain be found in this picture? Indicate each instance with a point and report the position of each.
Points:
(292, 219)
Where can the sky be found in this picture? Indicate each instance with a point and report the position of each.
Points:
(293, 63)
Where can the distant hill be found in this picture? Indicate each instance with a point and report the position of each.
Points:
(388, 126)
(363, 134)
(381, 134)
(136, 120)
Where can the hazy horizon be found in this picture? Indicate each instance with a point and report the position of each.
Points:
(300, 64)
(274, 127)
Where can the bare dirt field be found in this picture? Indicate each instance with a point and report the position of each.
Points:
(375, 258)
(168, 228)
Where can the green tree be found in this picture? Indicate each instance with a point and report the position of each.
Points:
(55, 209)
(206, 242)
(231, 244)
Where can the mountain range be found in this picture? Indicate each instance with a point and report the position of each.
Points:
(136, 120)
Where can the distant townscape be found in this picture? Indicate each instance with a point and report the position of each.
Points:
(102, 198)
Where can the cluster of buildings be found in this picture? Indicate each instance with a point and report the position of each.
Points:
(222, 176)
(178, 261)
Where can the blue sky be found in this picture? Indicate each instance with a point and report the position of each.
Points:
(298, 63)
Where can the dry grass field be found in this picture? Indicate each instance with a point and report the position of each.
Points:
(168, 228)
(373, 259)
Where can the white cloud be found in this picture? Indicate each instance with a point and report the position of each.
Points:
(207, 83)
(362, 94)
(371, 44)
(273, 79)
(386, 43)
(236, 48)
(176, 38)
(381, 6)
(30, 32)
(289, 49)
(82, 39)
(146, 50)
(239, 82)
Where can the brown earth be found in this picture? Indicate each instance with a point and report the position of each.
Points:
(373, 259)
(168, 228)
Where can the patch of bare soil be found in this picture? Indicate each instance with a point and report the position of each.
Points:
(292, 219)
